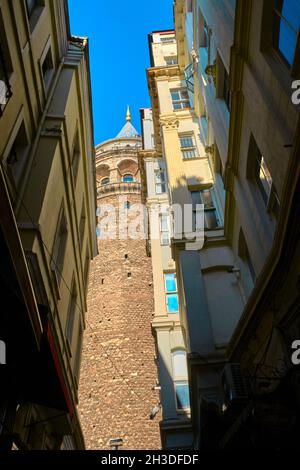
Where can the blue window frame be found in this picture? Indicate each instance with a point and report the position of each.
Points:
(171, 293)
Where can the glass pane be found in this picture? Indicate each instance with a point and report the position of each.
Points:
(287, 42)
(206, 198)
(196, 198)
(177, 105)
(172, 303)
(179, 364)
(164, 223)
(265, 178)
(175, 95)
(170, 283)
(291, 12)
(189, 154)
(158, 189)
(128, 178)
(182, 395)
(105, 181)
(186, 142)
(186, 104)
(210, 218)
(184, 95)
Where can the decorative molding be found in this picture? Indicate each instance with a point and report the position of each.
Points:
(170, 124)
(211, 71)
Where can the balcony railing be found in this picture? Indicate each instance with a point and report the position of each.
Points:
(5, 87)
(121, 187)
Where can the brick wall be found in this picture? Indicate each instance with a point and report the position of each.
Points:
(118, 369)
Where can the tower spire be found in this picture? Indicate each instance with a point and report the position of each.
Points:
(128, 115)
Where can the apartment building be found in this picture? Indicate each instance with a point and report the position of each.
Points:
(48, 222)
(172, 384)
(203, 266)
(240, 59)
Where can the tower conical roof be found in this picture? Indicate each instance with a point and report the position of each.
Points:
(128, 131)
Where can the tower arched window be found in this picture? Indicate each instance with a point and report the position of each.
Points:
(180, 379)
(104, 181)
(128, 178)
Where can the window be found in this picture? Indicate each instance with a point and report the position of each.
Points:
(5, 68)
(223, 88)
(226, 88)
(160, 181)
(180, 377)
(206, 34)
(188, 146)
(219, 169)
(77, 360)
(59, 248)
(104, 181)
(180, 99)
(71, 314)
(172, 60)
(86, 269)
(76, 156)
(258, 170)
(286, 28)
(203, 31)
(205, 197)
(245, 256)
(171, 293)
(18, 153)
(127, 205)
(128, 179)
(82, 223)
(47, 69)
(30, 5)
(34, 9)
(164, 230)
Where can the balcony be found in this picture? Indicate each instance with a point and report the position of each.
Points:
(117, 188)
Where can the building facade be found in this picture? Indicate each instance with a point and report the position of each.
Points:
(118, 396)
(172, 366)
(204, 267)
(240, 68)
(48, 217)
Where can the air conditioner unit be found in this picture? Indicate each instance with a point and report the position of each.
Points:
(236, 386)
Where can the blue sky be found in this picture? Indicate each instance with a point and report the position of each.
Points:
(119, 55)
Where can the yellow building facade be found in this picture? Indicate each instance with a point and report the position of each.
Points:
(47, 166)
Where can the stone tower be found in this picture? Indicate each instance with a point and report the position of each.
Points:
(118, 372)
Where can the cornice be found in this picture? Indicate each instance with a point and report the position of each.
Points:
(169, 122)
(164, 72)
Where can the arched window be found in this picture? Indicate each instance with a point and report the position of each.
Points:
(104, 181)
(128, 178)
(180, 379)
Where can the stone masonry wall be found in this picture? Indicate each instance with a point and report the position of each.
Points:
(118, 370)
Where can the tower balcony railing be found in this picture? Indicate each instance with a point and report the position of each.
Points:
(120, 187)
